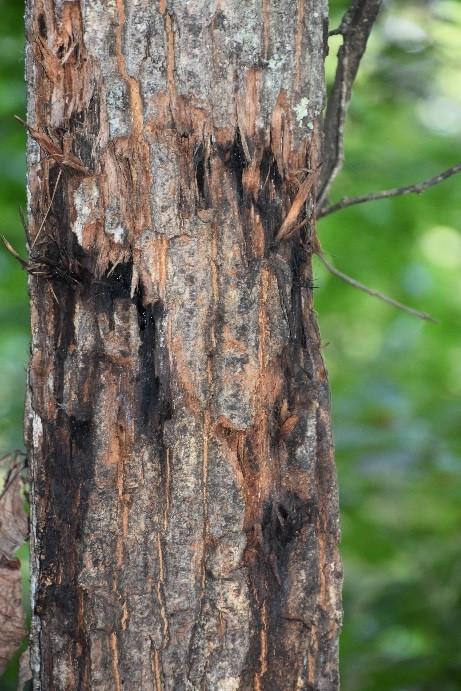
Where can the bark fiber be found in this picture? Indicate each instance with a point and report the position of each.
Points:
(184, 503)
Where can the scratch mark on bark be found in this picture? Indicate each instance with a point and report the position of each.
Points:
(160, 593)
(263, 321)
(301, 680)
(125, 617)
(214, 285)
(166, 510)
(263, 649)
(141, 169)
(170, 57)
(311, 655)
(266, 27)
(157, 669)
(323, 595)
(124, 509)
(115, 661)
(299, 44)
(162, 266)
(262, 389)
(206, 434)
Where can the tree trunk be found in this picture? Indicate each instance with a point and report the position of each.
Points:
(184, 504)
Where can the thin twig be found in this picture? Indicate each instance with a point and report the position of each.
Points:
(48, 209)
(374, 293)
(395, 192)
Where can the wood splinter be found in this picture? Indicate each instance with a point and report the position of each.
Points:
(63, 156)
(289, 225)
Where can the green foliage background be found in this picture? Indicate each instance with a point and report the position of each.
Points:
(396, 381)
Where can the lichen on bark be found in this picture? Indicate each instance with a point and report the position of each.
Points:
(184, 504)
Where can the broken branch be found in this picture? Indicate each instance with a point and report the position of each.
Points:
(374, 293)
(395, 192)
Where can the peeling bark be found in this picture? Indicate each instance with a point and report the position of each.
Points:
(184, 505)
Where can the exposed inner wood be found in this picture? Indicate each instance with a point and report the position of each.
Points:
(184, 503)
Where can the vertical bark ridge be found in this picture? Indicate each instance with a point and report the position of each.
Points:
(184, 506)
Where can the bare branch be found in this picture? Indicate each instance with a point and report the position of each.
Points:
(374, 293)
(355, 28)
(395, 192)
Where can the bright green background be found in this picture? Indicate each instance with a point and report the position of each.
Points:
(396, 381)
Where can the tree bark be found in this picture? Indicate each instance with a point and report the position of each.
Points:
(184, 506)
